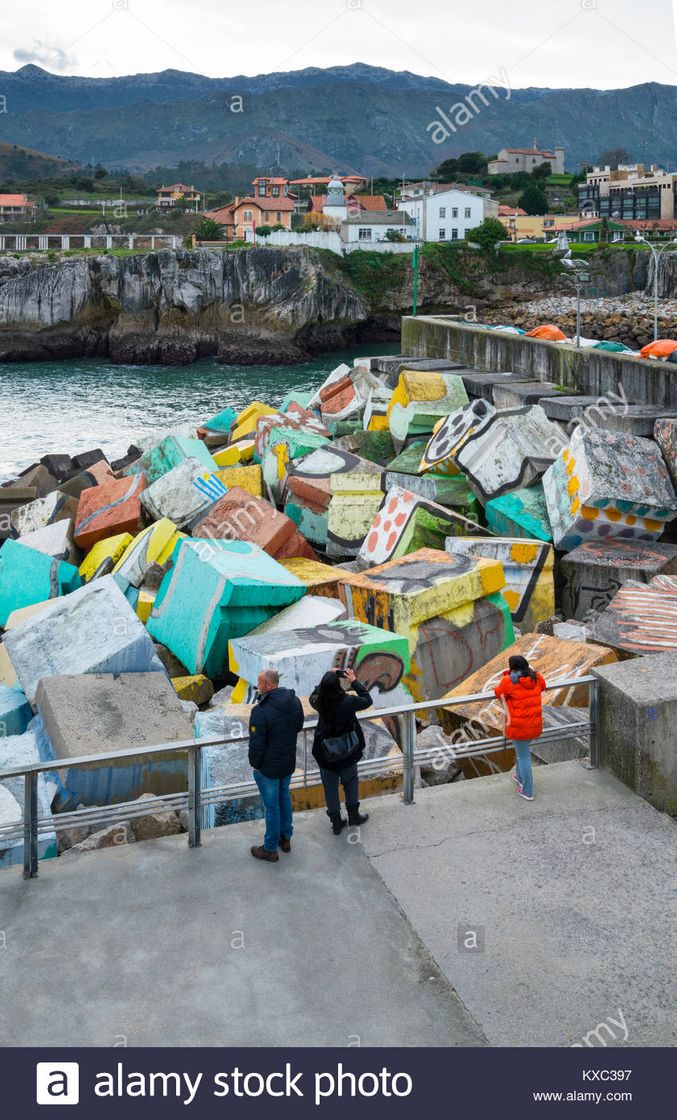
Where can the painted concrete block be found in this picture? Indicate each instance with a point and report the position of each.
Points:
(7, 671)
(608, 485)
(249, 478)
(450, 434)
(665, 435)
(15, 751)
(522, 513)
(27, 577)
(310, 477)
(15, 713)
(12, 498)
(248, 418)
(297, 397)
(595, 571)
(235, 454)
(301, 656)
(319, 579)
(528, 567)
(22, 614)
(43, 511)
(356, 496)
(285, 445)
(420, 401)
(555, 658)
(240, 517)
(102, 712)
(197, 688)
(183, 493)
(433, 600)
(638, 710)
(92, 630)
(512, 449)
(39, 477)
(338, 374)
(95, 476)
(217, 590)
(641, 618)
(223, 422)
(405, 522)
(168, 453)
(55, 540)
(309, 611)
(114, 507)
(374, 446)
(346, 398)
(104, 555)
(297, 419)
(480, 384)
(451, 491)
(516, 394)
(376, 409)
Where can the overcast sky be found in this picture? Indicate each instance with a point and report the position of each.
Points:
(599, 43)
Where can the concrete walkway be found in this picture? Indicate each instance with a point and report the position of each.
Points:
(155, 944)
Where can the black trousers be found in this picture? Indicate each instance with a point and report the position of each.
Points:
(349, 781)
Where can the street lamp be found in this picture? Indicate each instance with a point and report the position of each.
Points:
(656, 253)
(577, 272)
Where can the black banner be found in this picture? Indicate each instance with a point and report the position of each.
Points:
(473, 1083)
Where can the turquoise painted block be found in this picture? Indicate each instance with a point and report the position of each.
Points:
(215, 591)
(284, 446)
(28, 577)
(312, 525)
(15, 712)
(298, 396)
(171, 451)
(522, 513)
(222, 422)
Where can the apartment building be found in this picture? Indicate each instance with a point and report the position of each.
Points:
(630, 192)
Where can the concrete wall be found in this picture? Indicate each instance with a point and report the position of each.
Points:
(593, 372)
(638, 710)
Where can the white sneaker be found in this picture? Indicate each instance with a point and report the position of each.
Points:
(515, 778)
(521, 793)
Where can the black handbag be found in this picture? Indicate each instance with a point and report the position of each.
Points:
(341, 746)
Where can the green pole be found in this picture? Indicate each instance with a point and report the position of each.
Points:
(414, 265)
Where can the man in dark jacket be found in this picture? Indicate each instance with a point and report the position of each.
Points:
(273, 727)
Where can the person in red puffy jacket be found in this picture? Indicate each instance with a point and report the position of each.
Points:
(520, 691)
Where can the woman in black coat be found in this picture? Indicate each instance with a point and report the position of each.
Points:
(339, 743)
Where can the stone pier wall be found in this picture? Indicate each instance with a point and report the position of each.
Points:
(592, 372)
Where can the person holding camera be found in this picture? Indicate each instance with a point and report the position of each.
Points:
(339, 743)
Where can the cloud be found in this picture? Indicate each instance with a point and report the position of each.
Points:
(42, 54)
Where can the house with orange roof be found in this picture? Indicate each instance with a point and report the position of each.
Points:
(168, 197)
(16, 208)
(511, 160)
(246, 215)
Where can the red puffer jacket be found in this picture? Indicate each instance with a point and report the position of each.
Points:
(525, 708)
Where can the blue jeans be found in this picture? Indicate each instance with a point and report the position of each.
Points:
(523, 765)
(277, 808)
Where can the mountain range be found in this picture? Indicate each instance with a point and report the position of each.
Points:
(354, 118)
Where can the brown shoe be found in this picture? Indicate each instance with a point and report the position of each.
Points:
(285, 844)
(259, 852)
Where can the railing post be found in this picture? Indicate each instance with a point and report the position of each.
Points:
(305, 758)
(194, 796)
(595, 731)
(31, 825)
(409, 747)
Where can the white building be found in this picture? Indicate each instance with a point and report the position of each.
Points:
(510, 160)
(445, 216)
(369, 227)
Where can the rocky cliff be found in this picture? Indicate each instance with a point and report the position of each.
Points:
(258, 305)
(278, 305)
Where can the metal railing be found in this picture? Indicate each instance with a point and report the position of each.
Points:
(195, 798)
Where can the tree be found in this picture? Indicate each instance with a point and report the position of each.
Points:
(472, 163)
(542, 170)
(394, 235)
(614, 156)
(488, 233)
(533, 200)
(446, 170)
(208, 230)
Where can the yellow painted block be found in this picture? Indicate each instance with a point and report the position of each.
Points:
(235, 454)
(145, 604)
(111, 548)
(378, 424)
(197, 688)
(248, 478)
(249, 417)
(157, 543)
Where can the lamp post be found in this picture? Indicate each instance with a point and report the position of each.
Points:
(656, 254)
(577, 272)
(414, 265)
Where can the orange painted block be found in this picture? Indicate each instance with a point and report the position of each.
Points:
(109, 508)
(100, 472)
(296, 547)
(238, 516)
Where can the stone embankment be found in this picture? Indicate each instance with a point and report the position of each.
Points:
(627, 319)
